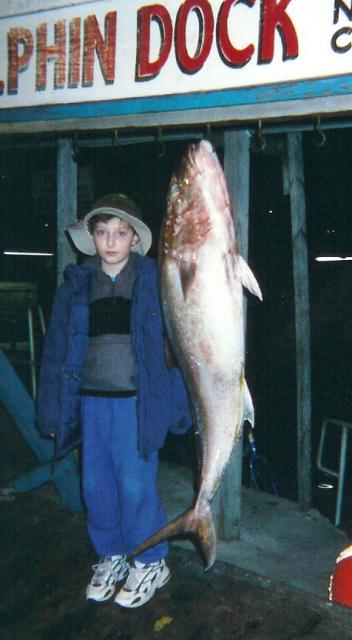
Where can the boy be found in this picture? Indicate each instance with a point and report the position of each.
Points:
(104, 367)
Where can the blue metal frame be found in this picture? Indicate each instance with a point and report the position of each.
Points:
(21, 408)
(285, 91)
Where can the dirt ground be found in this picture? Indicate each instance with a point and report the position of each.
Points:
(45, 566)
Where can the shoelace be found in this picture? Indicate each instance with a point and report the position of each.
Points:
(105, 567)
(138, 575)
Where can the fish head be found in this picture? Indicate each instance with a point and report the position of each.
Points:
(198, 204)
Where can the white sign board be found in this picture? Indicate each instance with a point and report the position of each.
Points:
(114, 57)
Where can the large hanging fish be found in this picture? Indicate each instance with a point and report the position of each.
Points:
(201, 276)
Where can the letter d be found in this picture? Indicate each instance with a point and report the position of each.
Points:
(145, 69)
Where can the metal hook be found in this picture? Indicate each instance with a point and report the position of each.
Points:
(115, 138)
(319, 136)
(259, 138)
(161, 144)
(75, 147)
(208, 133)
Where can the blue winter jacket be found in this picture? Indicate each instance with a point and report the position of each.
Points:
(162, 402)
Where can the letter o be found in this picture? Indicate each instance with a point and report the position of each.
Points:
(192, 64)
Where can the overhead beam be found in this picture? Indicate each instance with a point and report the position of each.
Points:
(237, 115)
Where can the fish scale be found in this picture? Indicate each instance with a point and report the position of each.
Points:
(201, 276)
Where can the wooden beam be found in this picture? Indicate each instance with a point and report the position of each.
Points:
(227, 507)
(295, 172)
(66, 201)
(239, 115)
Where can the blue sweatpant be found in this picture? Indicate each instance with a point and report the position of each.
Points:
(119, 486)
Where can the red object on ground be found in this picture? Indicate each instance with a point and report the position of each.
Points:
(340, 590)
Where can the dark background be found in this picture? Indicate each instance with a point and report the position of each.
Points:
(27, 222)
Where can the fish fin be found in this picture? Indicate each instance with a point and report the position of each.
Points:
(246, 276)
(248, 408)
(187, 275)
(201, 525)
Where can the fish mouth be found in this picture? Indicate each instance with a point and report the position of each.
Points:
(207, 145)
(188, 220)
(197, 151)
(190, 160)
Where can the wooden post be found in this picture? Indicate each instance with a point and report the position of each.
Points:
(301, 285)
(66, 201)
(227, 508)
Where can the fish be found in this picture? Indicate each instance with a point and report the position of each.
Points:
(202, 276)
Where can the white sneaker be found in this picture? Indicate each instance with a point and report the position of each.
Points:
(142, 582)
(107, 573)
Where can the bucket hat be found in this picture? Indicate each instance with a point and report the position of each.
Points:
(115, 204)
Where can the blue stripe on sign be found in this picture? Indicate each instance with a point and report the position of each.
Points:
(323, 87)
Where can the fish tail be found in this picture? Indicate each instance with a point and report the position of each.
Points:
(195, 521)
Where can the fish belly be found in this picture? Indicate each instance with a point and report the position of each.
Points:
(206, 330)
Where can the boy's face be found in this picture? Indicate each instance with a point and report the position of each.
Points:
(113, 241)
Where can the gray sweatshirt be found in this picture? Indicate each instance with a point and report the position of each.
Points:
(110, 364)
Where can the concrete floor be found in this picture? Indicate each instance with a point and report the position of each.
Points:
(270, 584)
(277, 541)
(45, 564)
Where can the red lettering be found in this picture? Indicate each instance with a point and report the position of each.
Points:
(231, 55)
(104, 47)
(274, 16)
(74, 53)
(18, 62)
(145, 69)
(192, 64)
(56, 52)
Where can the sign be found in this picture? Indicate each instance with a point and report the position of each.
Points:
(116, 57)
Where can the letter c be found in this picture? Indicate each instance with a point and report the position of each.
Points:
(335, 45)
(230, 55)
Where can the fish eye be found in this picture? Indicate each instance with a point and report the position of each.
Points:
(175, 190)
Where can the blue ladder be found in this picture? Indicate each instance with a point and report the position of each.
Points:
(339, 473)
